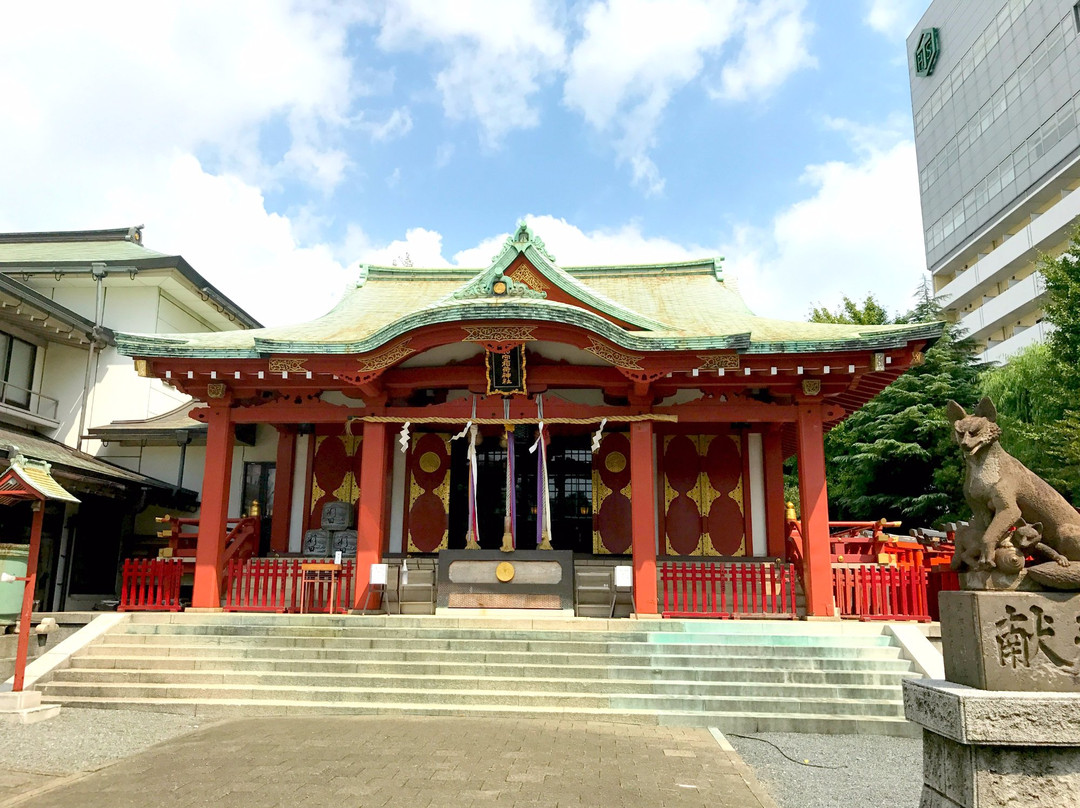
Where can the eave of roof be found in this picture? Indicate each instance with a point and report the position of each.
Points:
(65, 459)
(51, 310)
(62, 252)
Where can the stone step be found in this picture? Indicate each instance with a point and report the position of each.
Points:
(527, 684)
(875, 676)
(761, 637)
(391, 643)
(750, 656)
(750, 676)
(576, 625)
(730, 722)
(62, 691)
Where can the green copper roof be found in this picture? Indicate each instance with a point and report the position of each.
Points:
(669, 307)
(83, 246)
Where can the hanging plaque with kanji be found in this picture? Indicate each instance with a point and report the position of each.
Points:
(506, 372)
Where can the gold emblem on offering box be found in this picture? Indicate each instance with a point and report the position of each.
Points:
(505, 571)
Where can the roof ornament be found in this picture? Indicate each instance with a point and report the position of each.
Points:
(362, 274)
(524, 236)
(498, 287)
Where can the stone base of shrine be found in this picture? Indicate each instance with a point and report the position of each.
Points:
(507, 614)
(25, 707)
(983, 749)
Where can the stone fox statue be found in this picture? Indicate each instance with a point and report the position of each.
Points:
(1001, 491)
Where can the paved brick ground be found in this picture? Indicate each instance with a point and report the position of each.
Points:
(412, 763)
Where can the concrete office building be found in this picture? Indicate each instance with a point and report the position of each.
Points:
(995, 90)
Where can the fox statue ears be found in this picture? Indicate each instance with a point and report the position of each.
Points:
(1022, 522)
(984, 409)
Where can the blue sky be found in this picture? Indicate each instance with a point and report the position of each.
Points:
(278, 145)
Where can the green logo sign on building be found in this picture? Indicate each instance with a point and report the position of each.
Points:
(926, 52)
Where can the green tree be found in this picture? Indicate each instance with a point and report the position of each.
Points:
(895, 457)
(1038, 392)
(869, 313)
(1036, 411)
(1062, 303)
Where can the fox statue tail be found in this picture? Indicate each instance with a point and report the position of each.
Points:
(1053, 576)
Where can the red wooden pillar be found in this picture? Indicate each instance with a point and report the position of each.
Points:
(371, 527)
(643, 516)
(22, 648)
(773, 464)
(214, 510)
(817, 564)
(283, 489)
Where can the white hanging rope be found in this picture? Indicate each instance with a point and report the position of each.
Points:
(540, 425)
(598, 435)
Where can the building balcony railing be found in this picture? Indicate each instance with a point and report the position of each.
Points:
(24, 404)
(1016, 302)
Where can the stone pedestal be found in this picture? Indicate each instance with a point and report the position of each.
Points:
(1027, 641)
(984, 749)
(25, 707)
(1005, 729)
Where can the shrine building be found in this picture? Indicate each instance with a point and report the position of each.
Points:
(640, 412)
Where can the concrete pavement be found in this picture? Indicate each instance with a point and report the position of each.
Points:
(412, 762)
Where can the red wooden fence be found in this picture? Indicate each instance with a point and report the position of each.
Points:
(273, 585)
(941, 579)
(728, 589)
(872, 592)
(151, 585)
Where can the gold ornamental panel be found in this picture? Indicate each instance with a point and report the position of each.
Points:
(615, 462)
(616, 357)
(719, 362)
(386, 358)
(287, 365)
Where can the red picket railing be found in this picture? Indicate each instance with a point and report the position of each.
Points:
(872, 592)
(728, 589)
(151, 585)
(273, 585)
(941, 579)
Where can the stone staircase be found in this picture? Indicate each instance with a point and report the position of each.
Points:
(738, 676)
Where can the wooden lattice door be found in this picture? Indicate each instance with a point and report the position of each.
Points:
(703, 495)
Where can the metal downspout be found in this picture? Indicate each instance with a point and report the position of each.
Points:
(99, 274)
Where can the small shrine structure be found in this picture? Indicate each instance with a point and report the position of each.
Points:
(658, 410)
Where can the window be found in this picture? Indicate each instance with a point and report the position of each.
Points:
(16, 370)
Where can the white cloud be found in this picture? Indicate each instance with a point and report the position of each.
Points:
(107, 113)
(420, 247)
(221, 226)
(774, 45)
(398, 124)
(893, 18)
(859, 231)
(570, 245)
(636, 54)
(497, 55)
